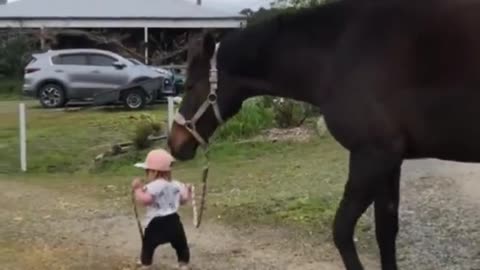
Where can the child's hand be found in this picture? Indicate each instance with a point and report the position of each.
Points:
(136, 183)
(186, 194)
(189, 188)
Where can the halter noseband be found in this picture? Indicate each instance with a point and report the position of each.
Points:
(191, 125)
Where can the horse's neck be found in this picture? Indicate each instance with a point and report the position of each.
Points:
(283, 57)
(297, 78)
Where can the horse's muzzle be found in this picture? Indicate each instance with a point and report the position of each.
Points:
(182, 144)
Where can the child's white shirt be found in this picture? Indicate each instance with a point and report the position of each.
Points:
(166, 198)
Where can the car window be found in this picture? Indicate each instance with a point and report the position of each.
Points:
(32, 60)
(70, 59)
(100, 60)
(56, 60)
(134, 61)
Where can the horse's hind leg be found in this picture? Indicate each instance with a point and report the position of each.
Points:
(386, 219)
(369, 168)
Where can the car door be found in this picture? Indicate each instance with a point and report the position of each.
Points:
(73, 67)
(106, 76)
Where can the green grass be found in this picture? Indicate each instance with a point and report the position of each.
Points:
(283, 184)
(60, 141)
(10, 89)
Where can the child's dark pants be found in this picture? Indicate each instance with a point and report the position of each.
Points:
(163, 230)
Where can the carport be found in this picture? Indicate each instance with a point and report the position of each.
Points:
(44, 14)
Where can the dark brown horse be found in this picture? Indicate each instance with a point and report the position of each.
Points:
(395, 80)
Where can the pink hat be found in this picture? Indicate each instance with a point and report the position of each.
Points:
(157, 160)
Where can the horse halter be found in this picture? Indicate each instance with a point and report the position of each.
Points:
(191, 125)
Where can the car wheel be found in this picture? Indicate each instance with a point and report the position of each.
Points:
(149, 99)
(52, 95)
(135, 99)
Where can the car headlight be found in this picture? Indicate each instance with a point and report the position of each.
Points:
(167, 81)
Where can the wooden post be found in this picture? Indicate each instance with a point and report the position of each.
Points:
(146, 44)
(23, 137)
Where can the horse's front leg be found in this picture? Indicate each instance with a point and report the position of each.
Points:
(369, 169)
(386, 219)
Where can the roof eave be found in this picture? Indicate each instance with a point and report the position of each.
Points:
(119, 18)
(77, 22)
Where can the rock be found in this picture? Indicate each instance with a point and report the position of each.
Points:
(321, 127)
(99, 157)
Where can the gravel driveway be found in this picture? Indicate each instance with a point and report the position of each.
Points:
(440, 216)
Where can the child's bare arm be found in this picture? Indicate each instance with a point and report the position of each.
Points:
(141, 194)
(186, 194)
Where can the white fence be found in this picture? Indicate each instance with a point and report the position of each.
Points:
(172, 101)
(23, 136)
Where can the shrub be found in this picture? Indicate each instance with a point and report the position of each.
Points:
(146, 127)
(14, 55)
(251, 120)
(289, 113)
(268, 101)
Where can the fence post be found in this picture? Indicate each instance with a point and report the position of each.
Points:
(172, 101)
(23, 137)
(170, 114)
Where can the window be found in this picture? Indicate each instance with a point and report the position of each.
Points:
(135, 61)
(32, 60)
(70, 59)
(56, 60)
(101, 60)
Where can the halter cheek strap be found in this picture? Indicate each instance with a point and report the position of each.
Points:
(190, 125)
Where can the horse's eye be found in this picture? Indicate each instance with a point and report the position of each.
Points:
(189, 87)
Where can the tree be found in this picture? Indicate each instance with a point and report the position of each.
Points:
(247, 12)
(14, 55)
(299, 3)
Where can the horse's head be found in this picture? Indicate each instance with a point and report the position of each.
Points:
(203, 108)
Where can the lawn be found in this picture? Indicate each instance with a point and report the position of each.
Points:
(288, 184)
(10, 89)
(62, 141)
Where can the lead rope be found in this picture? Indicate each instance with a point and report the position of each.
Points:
(197, 216)
(135, 211)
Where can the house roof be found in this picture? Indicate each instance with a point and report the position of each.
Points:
(115, 13)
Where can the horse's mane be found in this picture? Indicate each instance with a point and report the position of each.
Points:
(241, 51)
(240, 48)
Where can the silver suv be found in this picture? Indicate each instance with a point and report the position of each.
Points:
(55, 77)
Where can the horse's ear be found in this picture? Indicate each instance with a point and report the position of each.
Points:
(209, 45)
